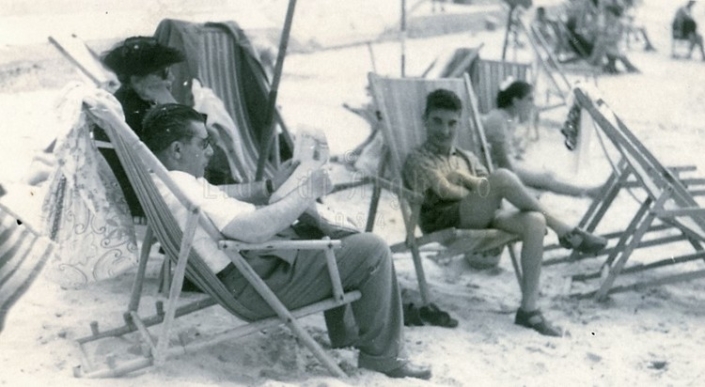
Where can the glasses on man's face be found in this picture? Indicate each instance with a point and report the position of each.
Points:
(206, 142)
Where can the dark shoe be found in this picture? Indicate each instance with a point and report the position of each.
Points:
(412, 316)
(409, 370)
(582, 241)
(433, 315)
(537, 322)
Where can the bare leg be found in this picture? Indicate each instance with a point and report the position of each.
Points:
(531, 227)
(478, 212)
(547, 182)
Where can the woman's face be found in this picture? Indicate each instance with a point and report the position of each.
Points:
(524, 106)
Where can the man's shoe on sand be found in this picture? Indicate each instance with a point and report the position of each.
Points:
(582, 241)
(537, 322)
(409, 370)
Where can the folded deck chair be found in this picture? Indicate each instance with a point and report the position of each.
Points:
(23, 253)
(142, 165)
(401, 102)
(222, 58)
(669, 207)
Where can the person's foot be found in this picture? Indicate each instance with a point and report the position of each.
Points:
(409, 370)
(582, 241)
(537, 322)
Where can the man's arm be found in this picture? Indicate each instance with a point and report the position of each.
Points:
(265, 222)
(258, 192)
(420, 177)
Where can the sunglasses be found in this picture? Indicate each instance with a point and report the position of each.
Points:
(163, 73)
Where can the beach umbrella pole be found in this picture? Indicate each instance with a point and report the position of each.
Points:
(271, 108)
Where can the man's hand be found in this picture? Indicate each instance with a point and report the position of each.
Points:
(473, 183)
(153, 89)
(285, 170)
(319, 183)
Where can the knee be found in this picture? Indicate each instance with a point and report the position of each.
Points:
(369, 248)
(535, 224)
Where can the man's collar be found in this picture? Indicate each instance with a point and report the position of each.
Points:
(433, 149)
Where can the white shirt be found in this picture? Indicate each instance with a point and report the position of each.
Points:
(215, 204)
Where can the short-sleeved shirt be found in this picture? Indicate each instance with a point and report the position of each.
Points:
(423, 171)
(215, 204)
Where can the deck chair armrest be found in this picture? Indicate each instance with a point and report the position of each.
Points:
(682, 168)
(279, 245)
(398, 189)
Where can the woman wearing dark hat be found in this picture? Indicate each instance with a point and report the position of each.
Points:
(142, 67)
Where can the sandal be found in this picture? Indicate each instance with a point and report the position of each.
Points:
(433, 315)
(412, 316)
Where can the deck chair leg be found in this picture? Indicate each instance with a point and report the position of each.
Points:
(285, 315)
(139, 278)
(176, 285)
(614, 270)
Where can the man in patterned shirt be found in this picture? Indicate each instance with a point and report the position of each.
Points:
(460, 192)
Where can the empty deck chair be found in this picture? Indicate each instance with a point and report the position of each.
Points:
(401, 102)
(142, 165)
(669, 205)
(23, 254)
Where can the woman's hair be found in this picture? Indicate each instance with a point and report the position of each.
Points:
(442, 99)
(517, 89)
(164, 124)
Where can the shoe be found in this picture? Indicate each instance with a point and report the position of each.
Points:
(582, 241)
(434, 316)
(537, 322)
(409, 370)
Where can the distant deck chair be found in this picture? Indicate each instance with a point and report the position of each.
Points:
(401, 102)
(548, 64)
(176, 242)
(221, 56)
(669, 205)
(23, 253)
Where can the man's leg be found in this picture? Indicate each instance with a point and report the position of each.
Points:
(477, 211)
(531, 227)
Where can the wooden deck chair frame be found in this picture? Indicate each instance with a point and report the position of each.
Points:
(23, 253)
(669, 204)
(404, 98)
(546, 63)
(141, 164)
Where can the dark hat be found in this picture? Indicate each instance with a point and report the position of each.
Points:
(141, 55)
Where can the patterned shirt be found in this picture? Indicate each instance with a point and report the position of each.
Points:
(425, 170)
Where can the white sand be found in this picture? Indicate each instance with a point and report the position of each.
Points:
(646, 337)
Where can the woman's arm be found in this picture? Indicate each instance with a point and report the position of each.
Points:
(498, 137)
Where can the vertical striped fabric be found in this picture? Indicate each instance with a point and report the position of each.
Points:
(23, 253)
(489, 74)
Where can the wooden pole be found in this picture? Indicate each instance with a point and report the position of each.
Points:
(403, 38)
(271, 108)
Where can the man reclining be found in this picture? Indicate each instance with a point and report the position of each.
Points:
(459, 192)
(178, 137)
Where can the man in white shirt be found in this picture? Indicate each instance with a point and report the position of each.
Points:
(178, 137)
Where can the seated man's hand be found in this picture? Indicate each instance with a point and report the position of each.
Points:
(319, 183)
(285, 170)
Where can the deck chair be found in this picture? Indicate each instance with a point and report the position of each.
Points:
(85, 60)
(23, 253)
(221, 56)
(401, 102)
(669, 205)
(489, 74)
(176, 242)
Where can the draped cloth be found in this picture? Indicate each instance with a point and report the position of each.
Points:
(84, 210)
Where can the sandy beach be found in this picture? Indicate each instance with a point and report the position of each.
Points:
(648, 337)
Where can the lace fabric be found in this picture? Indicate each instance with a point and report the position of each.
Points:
(84, 210)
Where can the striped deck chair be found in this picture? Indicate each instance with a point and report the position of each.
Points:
(489, 74)
(141, 165)
(401, 102)
(221, 56)
(669, 205)
(23, 253)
